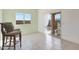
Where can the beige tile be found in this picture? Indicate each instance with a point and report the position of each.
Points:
(42, 41)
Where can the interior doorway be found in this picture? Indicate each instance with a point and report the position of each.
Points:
(56, 24)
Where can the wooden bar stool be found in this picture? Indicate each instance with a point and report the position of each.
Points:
(9, 33)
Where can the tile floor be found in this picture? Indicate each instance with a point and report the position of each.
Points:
(42, 41)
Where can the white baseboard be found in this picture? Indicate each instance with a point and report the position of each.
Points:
(76, 41)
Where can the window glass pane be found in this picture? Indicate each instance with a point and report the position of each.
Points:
(19, 16)
(23, 18)
(57, 16)
(28, 16)
(49, 16)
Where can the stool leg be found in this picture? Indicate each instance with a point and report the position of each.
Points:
(20, 39)
(14, 43)
(3, 39)
(6, 39)
(10, 42)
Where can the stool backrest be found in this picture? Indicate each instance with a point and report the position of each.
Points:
(7, 27)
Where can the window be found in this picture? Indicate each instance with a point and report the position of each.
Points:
(58, 16)
(49, 16)
(23, 18)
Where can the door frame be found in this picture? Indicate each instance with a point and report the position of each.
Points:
(53, 14)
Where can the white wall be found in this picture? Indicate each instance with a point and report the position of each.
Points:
(70, 25)
(42, 19)
(9, 15)
(0, 20)
(0, 15)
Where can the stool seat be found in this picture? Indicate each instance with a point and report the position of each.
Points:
(13, 33)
